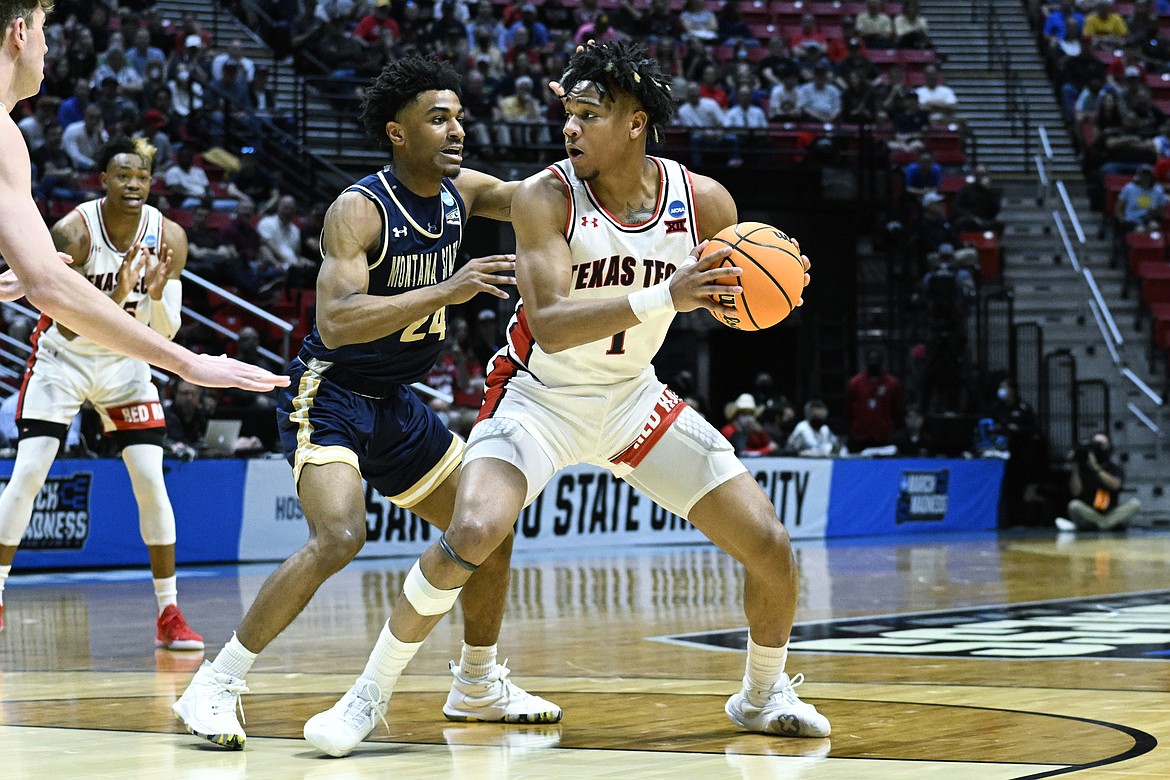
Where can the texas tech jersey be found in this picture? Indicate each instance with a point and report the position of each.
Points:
(611, 259)
(101, 268)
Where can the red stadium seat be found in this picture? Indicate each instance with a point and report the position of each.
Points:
(990, 252)
(1155, 282)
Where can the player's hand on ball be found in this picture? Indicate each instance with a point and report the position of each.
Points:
(807, 265)
(696, 281)
(482, 275)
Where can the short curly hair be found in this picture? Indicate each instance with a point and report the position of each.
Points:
(627, 67)
(399, 84)
(122, 144)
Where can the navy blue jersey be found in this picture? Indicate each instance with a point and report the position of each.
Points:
(419, 243)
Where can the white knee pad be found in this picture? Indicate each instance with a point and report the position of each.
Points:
(156, 518)
(33, 458)
(425, 597)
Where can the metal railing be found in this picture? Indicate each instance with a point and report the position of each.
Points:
(286, 328)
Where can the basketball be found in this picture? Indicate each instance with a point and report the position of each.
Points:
(773, 275)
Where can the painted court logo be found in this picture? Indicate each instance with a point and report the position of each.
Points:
(922, 496)
(1133, 626)
(60, 518)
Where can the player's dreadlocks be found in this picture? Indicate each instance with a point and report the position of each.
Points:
(625, 66)
(398, 85)
(121, 144)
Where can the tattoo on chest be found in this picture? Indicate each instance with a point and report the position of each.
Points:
(639, 212)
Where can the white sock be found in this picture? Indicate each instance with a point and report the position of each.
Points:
(234, 659)
(4, 572)
(389, 657)
(166, 590)
(764, 666)
(476, 661)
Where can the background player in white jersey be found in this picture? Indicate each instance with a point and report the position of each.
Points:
(25, 245)
(388, 273)
(133, 254)
(602, 264)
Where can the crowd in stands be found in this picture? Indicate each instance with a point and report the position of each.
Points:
(755, 82)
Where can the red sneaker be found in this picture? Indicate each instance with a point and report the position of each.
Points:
(174, 633)
(1, 617)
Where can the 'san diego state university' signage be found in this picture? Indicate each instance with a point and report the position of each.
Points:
(1133, 626)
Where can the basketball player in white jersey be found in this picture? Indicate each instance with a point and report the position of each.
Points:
(133, 254)
(34, 269)
(607, 248)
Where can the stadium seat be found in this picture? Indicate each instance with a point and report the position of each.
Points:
(990, 253)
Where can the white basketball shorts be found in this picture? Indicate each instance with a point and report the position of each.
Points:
(60, 381)
(639, 430)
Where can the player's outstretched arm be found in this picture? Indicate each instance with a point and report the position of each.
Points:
(544, 273)
(348, 314)
(69, 298)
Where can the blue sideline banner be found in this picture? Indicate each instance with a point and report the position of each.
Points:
(247, 510)
(85, 515)
(911, 496)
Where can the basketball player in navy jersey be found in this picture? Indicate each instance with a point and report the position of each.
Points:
(389, 247)
(133, 254)
(608, 248)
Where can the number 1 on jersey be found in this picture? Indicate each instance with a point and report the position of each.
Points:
(417, 331)
(617, 345)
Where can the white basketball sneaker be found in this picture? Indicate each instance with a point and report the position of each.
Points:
(208, 707)
(341, 728)
(496, 699)
(777, 711)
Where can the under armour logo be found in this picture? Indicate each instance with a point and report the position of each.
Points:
(404, 230)
(585, 221)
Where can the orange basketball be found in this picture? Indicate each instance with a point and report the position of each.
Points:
(773, 275)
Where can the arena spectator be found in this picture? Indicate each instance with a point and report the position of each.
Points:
(81, 140)
(912, 439)
(253, 182)
(1105, 28)
(142, 52)
(187, 415)
(705, 119)
(923, 176)
(537, 32)
(747, 120)
(744, 431)
(812, 437)
(699, 22)
(875, 26)
(233, 53)
(820, 99)
(33, 126)
(522, 116)
(485, 341)
(977, 204)
(858, 102)
(256, 273)
(57, 171)
(599, 30)
(1140, 202)
(782, 103)
(372, 26)
(208, 255)
(1095, 483)
(128, 80)
(911, 30)
(281, 242)
(776, 63)
(874, 405)
(937, 98)
(1057, 22)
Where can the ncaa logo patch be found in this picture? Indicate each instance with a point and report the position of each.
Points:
(150, 241)
(676, 209)
(447, 199)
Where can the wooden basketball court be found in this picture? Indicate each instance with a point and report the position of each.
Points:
(923, 676)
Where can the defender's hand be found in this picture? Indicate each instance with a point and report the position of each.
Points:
(482, 275)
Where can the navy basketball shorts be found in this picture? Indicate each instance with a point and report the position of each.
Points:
(398, 444)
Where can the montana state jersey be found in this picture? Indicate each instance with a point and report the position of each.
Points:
(612, 259)
(101, 268)
(418, 247)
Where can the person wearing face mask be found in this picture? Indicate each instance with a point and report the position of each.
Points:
(744, 430)
(1095, 483)
(812, 437)
(1014, 424)
(874, 405)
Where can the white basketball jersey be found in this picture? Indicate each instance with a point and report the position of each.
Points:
(611, 259)
(101, 268)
